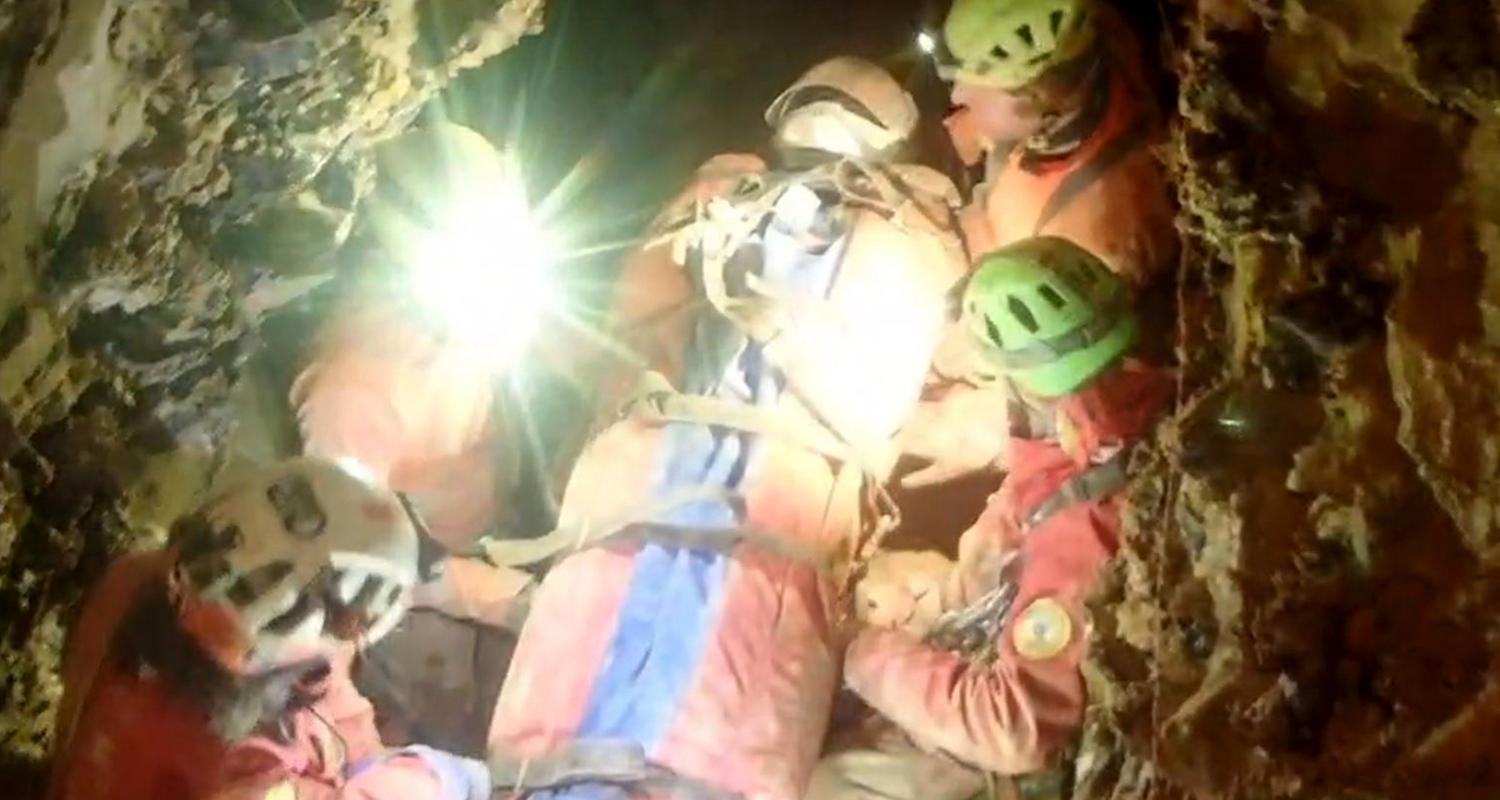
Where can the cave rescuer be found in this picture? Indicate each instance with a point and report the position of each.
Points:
(1055, 93)
(218, 666)
(406, 377)
(682, 644)
(1057, 323)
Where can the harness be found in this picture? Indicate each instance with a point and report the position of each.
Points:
(722, 230)
(1095, 483)
(1105, 129)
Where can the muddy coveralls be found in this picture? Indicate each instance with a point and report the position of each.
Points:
(139, 741)
(1058, 512)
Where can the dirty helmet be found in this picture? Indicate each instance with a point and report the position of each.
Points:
(1007, 44)
(845, 106)
(290, 562)
(1050, 315)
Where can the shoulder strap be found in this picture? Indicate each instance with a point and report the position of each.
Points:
(616, 762)
(1095, 483)
(1125, 135)
(657, 401)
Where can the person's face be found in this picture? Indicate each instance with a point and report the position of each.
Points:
(998, 115)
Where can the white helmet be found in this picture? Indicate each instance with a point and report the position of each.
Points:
(846, 106)
(292, 558)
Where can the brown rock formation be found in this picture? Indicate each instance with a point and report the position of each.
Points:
(1305, 605)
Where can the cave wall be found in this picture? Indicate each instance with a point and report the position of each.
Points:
(171, 172)
(1305, 603)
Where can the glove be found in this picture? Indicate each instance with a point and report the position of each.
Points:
(462, 778)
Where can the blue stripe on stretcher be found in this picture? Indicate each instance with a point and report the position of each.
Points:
(675, 595)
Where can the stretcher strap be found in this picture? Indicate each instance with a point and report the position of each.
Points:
(606, 761)
(569, 539)
(656, 401)
(857, 183)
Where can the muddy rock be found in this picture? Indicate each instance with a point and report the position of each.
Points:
(1300, 609)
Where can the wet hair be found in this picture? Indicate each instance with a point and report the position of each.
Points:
(150, 642)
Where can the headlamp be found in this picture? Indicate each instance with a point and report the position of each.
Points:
(483, 270)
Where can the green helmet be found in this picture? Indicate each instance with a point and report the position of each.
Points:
(1007, 44)
(1050, 314)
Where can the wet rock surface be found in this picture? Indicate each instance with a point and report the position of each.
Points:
(1304, 607)
(168, 169)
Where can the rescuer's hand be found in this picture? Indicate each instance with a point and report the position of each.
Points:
(984, 550)
(962, 431)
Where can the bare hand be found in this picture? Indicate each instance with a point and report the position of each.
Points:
(962, 432)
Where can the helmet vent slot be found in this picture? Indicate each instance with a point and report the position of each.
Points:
(297, 505)
(999, 52)
(1051, 296)
(1022, 314)
(301, 610)
(248, 588)
(1024, 34)
(989, 325)
(241, 593)
(1056, 18)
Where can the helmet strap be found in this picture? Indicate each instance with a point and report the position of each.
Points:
(430, 552)
(1077, 95)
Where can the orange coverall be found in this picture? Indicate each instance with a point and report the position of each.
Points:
(125, 735)
(1011, 716)
(1107, 194)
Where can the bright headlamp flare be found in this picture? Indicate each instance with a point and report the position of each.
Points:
(485, 272)
(927, 43)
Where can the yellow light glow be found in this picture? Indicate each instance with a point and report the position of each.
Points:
(485, 272)
(927, 43)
